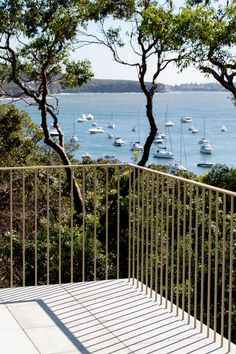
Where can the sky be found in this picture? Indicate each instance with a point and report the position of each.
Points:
(104, 67)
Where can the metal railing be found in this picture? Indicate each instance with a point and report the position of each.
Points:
(172, 237)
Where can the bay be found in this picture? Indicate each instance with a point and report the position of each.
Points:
(127, 111)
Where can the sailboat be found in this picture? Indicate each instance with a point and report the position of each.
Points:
(74, 138)
(177, 166)
(162, 152)
(111, 124)
(206, 147)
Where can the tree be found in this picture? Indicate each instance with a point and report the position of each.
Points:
(154, 37)
(210, 32)
(36, 40)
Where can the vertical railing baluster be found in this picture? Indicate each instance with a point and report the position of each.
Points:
(60, 226)
(190, 250)
(151, 231)
(118, 224)
(83, 225)
(36, 227)
(95, 226)
(106, 197)
(161, 236)
(231, 271)
(167, 242)
(48, 229)
(157, 236)
(202, 260)
(142, 233)
(147, 233)
(223, 271)
(172, 244)
(209, 264)
(184, 255)
(72, 228)
(23, 226)
(11, 230)
(196, 257)
(216, 265)
(130, 231)
(178, 250)
(138, 229)
(133, 236)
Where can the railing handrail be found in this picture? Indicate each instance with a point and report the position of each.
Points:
(147, 169)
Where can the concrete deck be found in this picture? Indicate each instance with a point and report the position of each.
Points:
(96, 317)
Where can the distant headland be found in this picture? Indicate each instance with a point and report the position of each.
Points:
(119, 86)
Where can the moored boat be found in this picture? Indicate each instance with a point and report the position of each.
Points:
(96, 130)
(163, 154)
(169, 123)
(82, 118)
(111, 125)
(186, 119)
(177, 167)
(109, 156)
(86, 155)
(89, 116)
(223, 128)
(206, 148)
(194, 131)
(118, 141)
(206, 164)
(136, 146)
(74, 138)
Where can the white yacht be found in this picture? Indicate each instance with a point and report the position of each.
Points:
(206, 148)
(223, 128)
(186, 119)
(118, 141)
(89, 116)
(96, 130)
(74, 138)
(86, 155)
(82, 118)
(54, 132)
(177, 167)
(164, 154)
(159, 139)
(194, 131)
(169, 123)
(111, 125)
(136, 146)
(203, 141)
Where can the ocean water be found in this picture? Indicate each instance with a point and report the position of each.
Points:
(126, 111)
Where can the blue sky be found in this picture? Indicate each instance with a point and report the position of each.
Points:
(104, 67)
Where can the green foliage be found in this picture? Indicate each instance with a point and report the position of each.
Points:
(76, 73)
(19, 138)
(221, 176)
(210, 34)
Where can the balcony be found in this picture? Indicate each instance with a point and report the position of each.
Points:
(149, 267)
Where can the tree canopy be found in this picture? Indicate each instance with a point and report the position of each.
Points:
(36, 42)
(211, 35)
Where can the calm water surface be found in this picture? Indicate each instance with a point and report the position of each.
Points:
(128, 110)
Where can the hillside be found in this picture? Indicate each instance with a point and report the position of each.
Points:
(116, 86)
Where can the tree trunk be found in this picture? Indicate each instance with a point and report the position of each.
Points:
(153, 129)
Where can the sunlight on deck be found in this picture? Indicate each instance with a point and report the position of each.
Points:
(110, 316)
